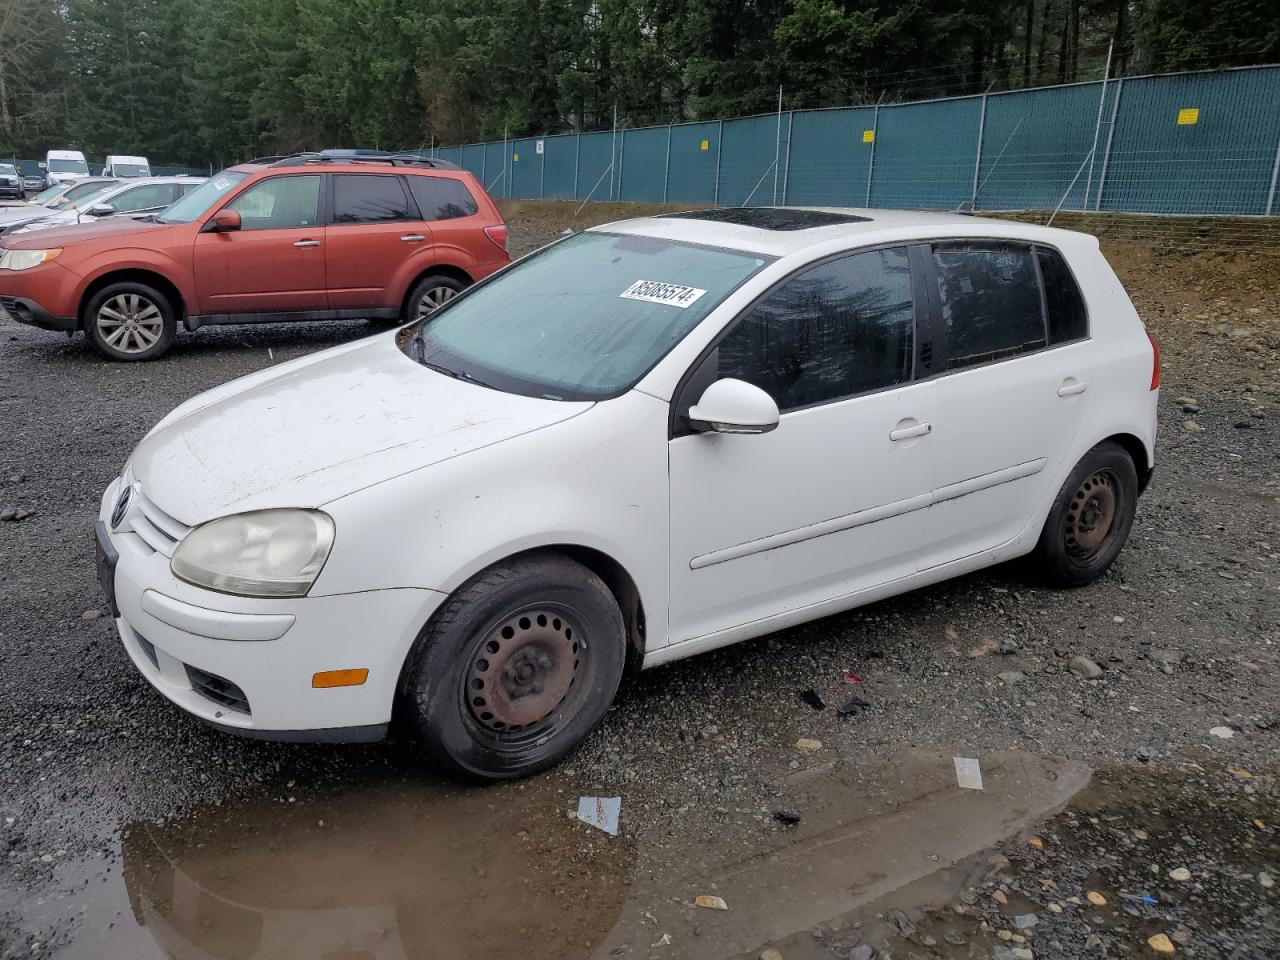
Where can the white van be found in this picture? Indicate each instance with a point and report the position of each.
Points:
(63, 166)
(124, 167)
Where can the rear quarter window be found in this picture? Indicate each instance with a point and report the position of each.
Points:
(442, 198)
(1068, 319)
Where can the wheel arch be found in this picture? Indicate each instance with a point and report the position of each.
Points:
(615, 576)
(1137, 451)
(445, 269)
(133, 275)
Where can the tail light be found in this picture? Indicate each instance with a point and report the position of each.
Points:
(498, 234)
(1155, 362)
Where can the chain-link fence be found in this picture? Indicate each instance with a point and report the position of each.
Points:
(1195, 143)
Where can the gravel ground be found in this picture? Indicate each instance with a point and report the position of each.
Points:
(1185, 628)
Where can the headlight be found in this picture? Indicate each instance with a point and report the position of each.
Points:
(26, 259)
(266, 553)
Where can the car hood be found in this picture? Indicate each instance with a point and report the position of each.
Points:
(12, 215)
(317, 429)
(65, 234)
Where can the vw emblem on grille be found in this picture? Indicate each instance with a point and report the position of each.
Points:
(121, 507)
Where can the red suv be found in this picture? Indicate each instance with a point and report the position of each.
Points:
(307, 237)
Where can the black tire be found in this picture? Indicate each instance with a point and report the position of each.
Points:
(502, 649)
(130, 322)
(437, 287)
(1091, 518)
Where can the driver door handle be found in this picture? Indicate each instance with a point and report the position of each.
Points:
(306, 243)
(906, 433)
(413, 238)
(1071, 386)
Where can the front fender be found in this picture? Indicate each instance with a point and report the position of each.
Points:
(597, 480)
(128, 258)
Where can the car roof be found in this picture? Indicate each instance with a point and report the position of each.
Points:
(143, 181)
(361, 164)
(782, 231)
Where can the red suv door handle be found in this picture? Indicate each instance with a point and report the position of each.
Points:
(306, 243)
(413, 238)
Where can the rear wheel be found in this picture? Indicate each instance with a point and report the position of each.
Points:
(1091, 517)
(517, 668)
(130, 321)
(430, 294)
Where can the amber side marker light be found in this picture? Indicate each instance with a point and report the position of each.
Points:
(339, 678)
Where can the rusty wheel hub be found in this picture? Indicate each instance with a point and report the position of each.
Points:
(1091, 514)
(523, 670)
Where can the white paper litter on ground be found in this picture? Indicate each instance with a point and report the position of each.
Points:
(601, 813)
(968, 773)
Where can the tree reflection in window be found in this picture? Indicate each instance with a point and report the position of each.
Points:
(841, 328)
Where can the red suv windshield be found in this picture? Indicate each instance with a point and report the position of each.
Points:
(201, 198)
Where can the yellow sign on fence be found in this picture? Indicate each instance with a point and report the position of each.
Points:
(515, 156)
(1188, 116)
(868, 136)
(706, 145)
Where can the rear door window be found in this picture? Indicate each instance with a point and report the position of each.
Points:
(841, 328)
(990, 303)
(442, 198)
(1068, 319)
(364, 198)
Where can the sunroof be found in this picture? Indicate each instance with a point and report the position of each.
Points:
(771, 218)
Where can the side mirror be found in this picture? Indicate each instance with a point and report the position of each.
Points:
(734, 406)
(224, 221)
(101, 210)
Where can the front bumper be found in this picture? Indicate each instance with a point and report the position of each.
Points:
(26, 310)
(246, 665)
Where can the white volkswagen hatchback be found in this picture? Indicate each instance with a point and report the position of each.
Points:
(647, 440)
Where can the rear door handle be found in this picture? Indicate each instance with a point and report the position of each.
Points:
(413, 238)
(906, 433)
(1071, 386)
(306, 243)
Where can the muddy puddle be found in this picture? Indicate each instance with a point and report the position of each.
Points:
(419, 870)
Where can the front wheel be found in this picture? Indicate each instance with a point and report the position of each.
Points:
(1091, 517)
(130, 321)
(517, 668)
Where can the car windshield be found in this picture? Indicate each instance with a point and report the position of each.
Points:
(68, 166)
(83, 199)
(8, 169)
(49, 194)
(130, 170)
(583, 319)
(201, 198)
(80, 192)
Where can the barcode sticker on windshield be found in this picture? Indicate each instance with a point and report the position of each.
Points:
(654, 291)
(222, 183)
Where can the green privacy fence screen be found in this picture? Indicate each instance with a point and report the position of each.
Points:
(1195, 143)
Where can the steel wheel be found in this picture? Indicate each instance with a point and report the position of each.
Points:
(517, 668)
(1091, 515)
(129, 322)
(522, 672)
(433, 298)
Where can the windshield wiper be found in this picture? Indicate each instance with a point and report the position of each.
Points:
(449, 371)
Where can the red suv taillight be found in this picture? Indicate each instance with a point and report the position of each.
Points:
(1155, 362)
(498, 234)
